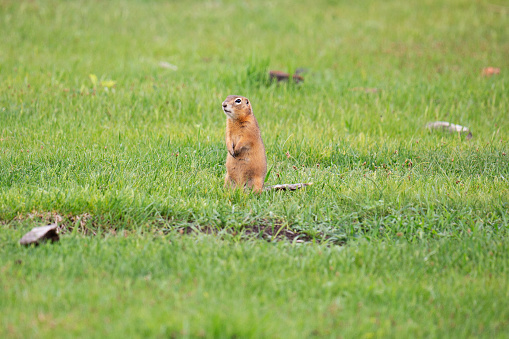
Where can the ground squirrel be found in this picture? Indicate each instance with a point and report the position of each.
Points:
(246, 162)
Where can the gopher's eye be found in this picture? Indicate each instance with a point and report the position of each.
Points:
(238, 101)
(247, 102)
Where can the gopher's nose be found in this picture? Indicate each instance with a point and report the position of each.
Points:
(224, 105)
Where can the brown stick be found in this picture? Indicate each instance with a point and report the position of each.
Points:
(282, 76)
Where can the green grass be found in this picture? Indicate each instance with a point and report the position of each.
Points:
(204, 286)
(414, 223)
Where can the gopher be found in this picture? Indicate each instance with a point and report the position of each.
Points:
(246, 162)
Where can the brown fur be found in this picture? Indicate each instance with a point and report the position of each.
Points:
(246, 162)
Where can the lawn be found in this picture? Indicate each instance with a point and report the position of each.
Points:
(111, 124)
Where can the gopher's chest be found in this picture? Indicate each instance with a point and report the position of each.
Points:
(234, 138)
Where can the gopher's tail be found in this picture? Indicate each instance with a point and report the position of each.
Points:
(287, 187)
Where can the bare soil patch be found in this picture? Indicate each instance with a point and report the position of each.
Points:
(89, 225)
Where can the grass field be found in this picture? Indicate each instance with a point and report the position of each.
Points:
(111, 124)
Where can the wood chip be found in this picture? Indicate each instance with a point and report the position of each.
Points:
(167, 65)
(287, 187)
(452, 128)
(40, 234)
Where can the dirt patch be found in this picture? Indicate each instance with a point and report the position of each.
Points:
(65, 223)
(89, 225)
(277, 231)
(267, 230)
